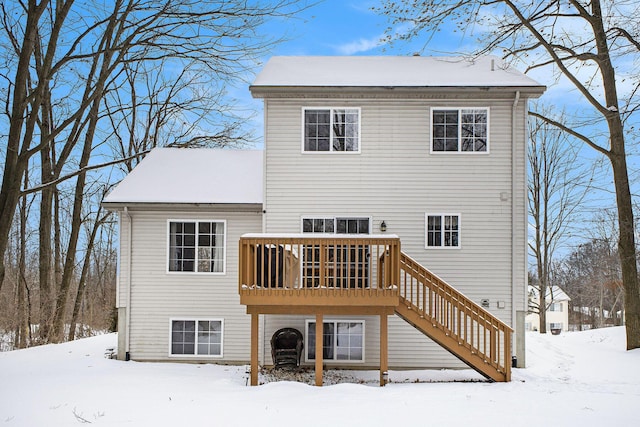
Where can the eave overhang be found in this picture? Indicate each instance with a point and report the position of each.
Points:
(263, 91)
(184, 207)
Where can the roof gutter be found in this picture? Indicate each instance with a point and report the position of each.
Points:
(159, 206)
(268, 91)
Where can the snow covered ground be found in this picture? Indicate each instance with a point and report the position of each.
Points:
(574, 379)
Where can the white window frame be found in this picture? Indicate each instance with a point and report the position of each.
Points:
(195, 271)
(335, 219)
(459, 110)
(335, 322)
(555, 307)
(331, 150)
(196, 355)
(442, 245)
(558, 325)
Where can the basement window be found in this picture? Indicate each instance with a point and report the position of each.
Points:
(342, 341)
(190, 337)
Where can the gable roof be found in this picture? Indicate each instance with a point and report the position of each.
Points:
(192, 176)
(390, 71)
(555, 293)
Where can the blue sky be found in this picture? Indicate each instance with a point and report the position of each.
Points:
(341, 27)
(337, 27)
(344, 27)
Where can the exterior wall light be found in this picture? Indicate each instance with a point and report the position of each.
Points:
(383, 226)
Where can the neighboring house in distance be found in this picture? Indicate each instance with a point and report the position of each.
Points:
(557, 302)
(389, 204)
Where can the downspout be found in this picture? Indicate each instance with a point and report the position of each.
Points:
(263, 320)
(129, 258)
(513, 217)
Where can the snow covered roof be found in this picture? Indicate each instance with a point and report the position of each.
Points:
(193, 176)
(390, 71)
(555, 293)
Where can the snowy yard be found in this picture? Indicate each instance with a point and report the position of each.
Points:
(574, 379)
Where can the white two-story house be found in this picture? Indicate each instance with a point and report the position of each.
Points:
(557, 310)
(385, 220)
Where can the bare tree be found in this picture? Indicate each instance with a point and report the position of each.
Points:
(557, 185)
(591, 277)
(586, 43)
(86, 76)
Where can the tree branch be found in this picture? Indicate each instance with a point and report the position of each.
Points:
(571, 132)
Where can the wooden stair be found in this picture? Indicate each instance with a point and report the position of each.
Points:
(458, 324)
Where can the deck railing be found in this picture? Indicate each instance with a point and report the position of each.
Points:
(275, 266)
(458, 323)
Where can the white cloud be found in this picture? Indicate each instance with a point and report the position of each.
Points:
(360, 45)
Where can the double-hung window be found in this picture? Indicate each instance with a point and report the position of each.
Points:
(331, 129)
(443, 231)
(197, 246)
(341, 340)
(196, 337)
(460, 130)
(555, 306)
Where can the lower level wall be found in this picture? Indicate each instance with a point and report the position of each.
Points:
(408, 348)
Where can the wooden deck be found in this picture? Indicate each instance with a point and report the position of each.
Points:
(309, 274)
(365, 275)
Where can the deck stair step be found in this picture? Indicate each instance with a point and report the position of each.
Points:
(455, 322)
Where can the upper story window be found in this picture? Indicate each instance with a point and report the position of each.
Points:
(331, 129)
(197, 246)
(555, 306)
(460, 130)
(443, 231)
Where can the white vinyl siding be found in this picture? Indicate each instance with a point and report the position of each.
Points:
(395, 180)
(156, 297)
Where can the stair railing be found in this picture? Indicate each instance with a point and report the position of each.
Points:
(466, 323)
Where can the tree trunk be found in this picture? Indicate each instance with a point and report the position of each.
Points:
(44, 248)
(626, 248)
(83, 276)
(24, 324)
(618, 159)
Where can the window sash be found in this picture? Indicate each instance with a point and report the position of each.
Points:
(555, 306)
(443, 231)
(331, 129)
(197, 246)
(196, 337)
(342, 340)
(460, 130)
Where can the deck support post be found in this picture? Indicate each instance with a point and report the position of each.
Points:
(319, 348)
(384, 349)
(254, 348)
